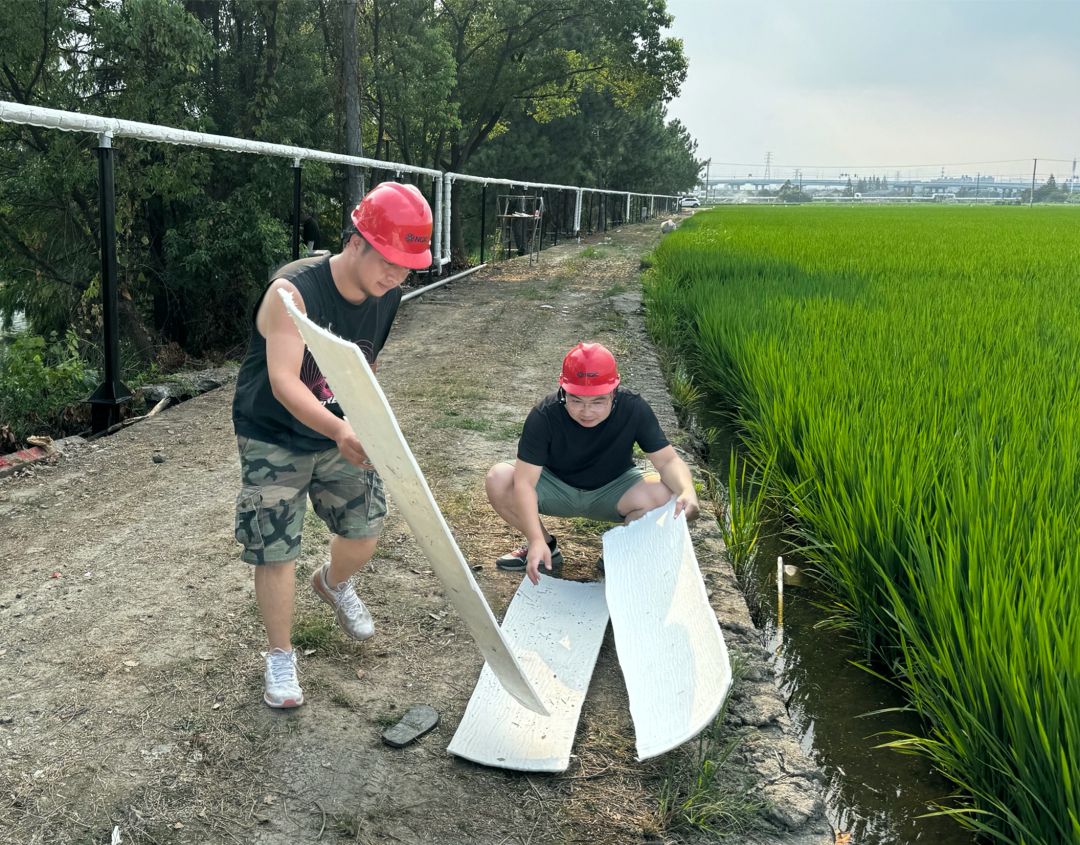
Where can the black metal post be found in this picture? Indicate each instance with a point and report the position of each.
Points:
(297, 170)
(110, 394)
(483, 220)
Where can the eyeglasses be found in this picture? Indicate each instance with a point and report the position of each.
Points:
(581, 403)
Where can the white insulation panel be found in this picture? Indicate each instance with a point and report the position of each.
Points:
(670, 646)
(558, 627)
(369, 414)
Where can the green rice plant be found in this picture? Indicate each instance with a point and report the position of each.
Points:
(913, 376)
(744, 511)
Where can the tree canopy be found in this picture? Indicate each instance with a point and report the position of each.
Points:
(567, 90)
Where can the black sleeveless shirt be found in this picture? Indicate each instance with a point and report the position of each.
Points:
(257, 414)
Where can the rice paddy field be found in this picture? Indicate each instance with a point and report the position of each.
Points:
(912, 376)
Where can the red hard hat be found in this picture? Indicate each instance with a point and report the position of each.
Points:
(589, 370)
(396, 220)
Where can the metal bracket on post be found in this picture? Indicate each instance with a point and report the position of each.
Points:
(105, 401)
(297, 170)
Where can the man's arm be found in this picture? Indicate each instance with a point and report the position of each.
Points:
(676, 477)
(526, 476)
(284, 357)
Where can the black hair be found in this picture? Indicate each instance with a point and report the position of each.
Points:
(348, 232)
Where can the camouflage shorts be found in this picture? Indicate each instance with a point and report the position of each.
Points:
(272, 501)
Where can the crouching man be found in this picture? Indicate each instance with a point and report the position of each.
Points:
(293, 439)
(575, 459)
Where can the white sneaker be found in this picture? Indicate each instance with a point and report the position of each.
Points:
(282, 686)
(352, 616)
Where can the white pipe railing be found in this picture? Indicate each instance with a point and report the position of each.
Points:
(115, 128)
(109, 127)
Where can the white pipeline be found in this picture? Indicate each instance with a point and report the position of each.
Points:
(415, 293)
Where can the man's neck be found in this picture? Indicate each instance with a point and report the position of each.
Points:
(342, 272)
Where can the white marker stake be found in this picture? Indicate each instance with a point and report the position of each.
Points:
(780, 592)
(369, 414)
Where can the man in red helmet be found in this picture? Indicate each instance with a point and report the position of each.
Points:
(293, 438)
(575, 459)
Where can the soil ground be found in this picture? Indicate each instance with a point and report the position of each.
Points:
(129, 658)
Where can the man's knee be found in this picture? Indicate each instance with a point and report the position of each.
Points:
(646, 495)
(499, 482)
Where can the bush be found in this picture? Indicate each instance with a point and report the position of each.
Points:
(38, 379)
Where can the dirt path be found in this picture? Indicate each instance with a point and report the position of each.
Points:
(132, 680)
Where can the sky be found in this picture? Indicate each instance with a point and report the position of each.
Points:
(879, 87)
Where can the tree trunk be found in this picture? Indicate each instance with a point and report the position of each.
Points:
(354, 142)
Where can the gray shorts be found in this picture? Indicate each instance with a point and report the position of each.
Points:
(275, 486)
(557, 498)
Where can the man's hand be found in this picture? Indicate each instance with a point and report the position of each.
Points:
(538, 553)
(350, 447)
(688, 503)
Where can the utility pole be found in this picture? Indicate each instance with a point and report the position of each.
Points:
(768, 165)
(707, 165)
(1031, 199)
(978, 177)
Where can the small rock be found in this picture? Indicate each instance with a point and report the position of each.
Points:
(159, 458)
(206, 384)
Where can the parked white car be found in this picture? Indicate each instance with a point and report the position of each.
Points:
(689, 202)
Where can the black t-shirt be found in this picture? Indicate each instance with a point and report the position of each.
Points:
(589, 458)
(256, 411)
(313, 234)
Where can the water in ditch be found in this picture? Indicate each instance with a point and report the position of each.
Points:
(876, 794)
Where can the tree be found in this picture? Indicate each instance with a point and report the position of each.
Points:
(200, 231)
(515, 59)
(792, 193)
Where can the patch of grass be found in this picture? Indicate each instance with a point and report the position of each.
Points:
(613, 321)
(458, 505)
(534, 293)
(592, 252)
(508, 432)
(615, 290)
(697, 794)
(347, 825)
(454, 419)
(316, 629)
(588, 527)
(387, 720)
(340, 699)
(557, 284)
